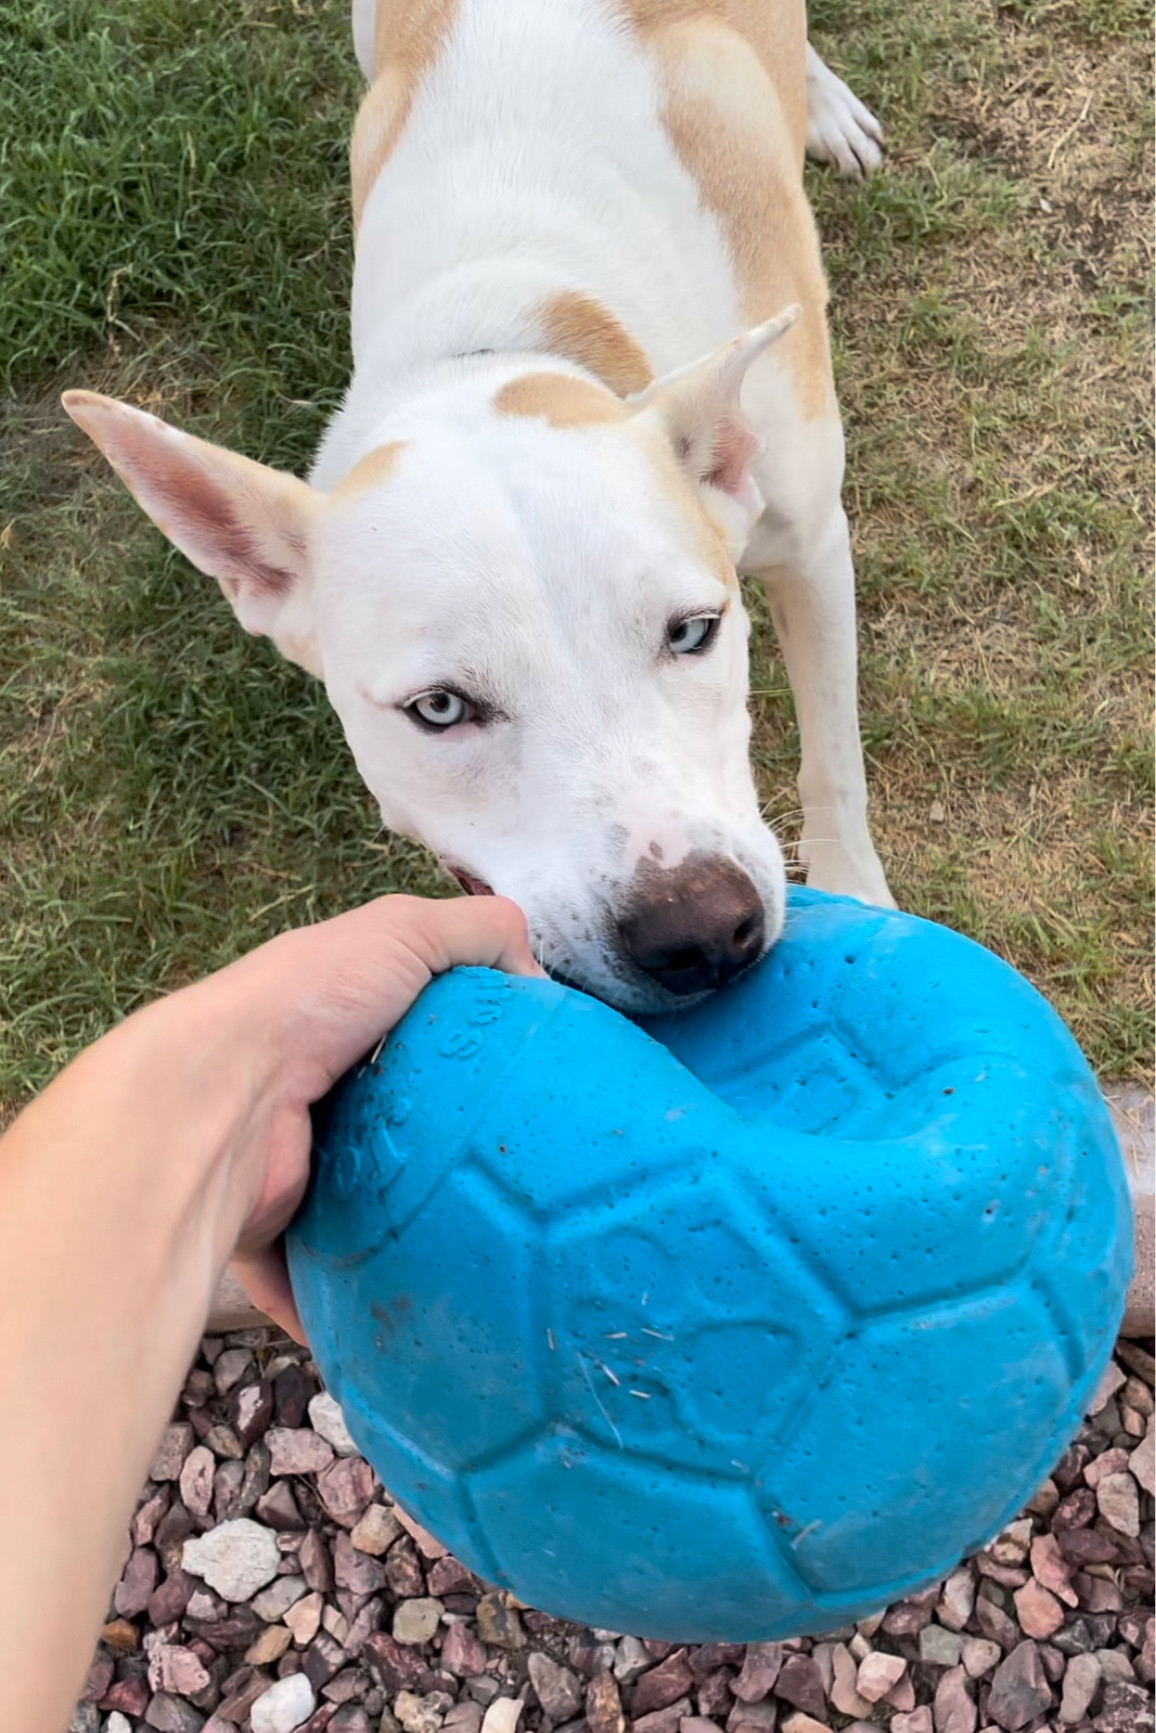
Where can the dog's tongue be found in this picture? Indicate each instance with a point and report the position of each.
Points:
(473, 887)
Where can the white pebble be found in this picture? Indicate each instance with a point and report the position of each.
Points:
(236, 1558)
(283, 1706)
(326, 1417)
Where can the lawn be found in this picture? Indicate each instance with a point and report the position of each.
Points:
(177, 232)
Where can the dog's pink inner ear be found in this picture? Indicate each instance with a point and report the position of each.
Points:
(241, 522)
(731, 451)
(205, 514)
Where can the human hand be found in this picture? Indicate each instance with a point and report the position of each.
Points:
(304, 1008)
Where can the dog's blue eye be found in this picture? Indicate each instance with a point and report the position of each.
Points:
(686, 637)
(440, 709)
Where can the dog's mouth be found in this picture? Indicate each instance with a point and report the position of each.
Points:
(473, 887)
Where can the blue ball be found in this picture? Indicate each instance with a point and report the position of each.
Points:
(738, 1325)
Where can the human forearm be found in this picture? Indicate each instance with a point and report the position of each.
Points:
(126, 1170)
(123, 1190)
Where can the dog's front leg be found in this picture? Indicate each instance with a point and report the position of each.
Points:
(813, 608)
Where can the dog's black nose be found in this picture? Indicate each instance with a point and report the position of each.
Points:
(695, 926)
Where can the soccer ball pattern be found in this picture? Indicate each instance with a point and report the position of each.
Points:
(736, 1327)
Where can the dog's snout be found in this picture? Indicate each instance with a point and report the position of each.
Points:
(694, 927)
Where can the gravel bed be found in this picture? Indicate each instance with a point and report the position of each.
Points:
(270, 1585)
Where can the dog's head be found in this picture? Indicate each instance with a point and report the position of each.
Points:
(524, 607)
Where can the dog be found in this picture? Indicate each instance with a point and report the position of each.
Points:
(592, 385)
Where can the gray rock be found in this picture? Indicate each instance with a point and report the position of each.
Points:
(632, 1657)
(559, 1690)
(415, 1621)
(236, 1558)
(979, 1656)
(940, 1648)
(169, 1714)
(275, 1601)
(327, 1419)
(1081, 1682)
(284, 1706)
(230, 1367)
(1115, 1665)
(1019, 1690)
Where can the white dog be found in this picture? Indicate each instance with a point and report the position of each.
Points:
(582, 235)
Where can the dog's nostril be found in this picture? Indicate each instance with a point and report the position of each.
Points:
(694, 927)
(748, 928)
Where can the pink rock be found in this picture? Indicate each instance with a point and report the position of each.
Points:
(346, 1488)
(144, 1523)
(97, 1680)
(297, 1450)
(1111, 1462)
(196, 1480)
(902, 1695)
(664, 1720)
(130, 1696)
(760, 1670)
(356, 1571)
(316, 1563)
(1038, 1611)
(426, 1544)
(1050, 1568)
(462, 1653)
(1119, 1502)
(918, 1721)
(662, 1685)
(137, 1583)
(176, 1442)
(955, 1710)
(878, 1674)
(843, 1690)
(176, 1669)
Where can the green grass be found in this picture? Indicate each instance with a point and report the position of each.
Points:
(176, 231)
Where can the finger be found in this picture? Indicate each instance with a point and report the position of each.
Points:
(485, 932)
(264, 1276)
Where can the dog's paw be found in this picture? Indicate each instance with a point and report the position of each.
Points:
(841, 130)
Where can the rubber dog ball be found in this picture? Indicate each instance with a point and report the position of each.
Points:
(736, 1325)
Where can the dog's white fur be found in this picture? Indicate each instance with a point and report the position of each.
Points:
(489, 514)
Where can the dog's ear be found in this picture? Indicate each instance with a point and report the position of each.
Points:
(244, 524)
(701, 410)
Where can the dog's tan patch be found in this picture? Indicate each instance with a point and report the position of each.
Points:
(777, 32)
(375, 467)
(587, 333)
(734, 108)
(409, 36)
(560, 399)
